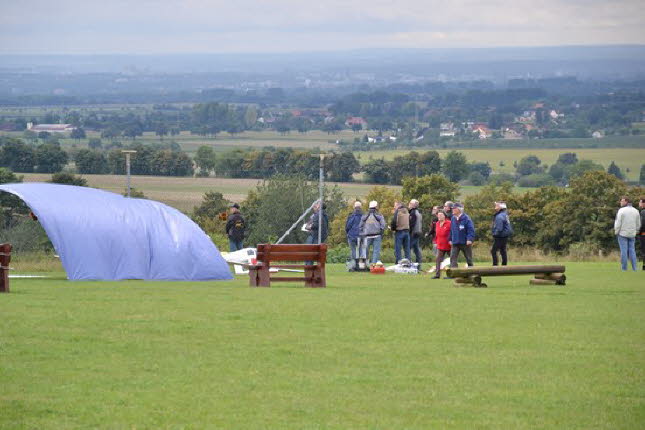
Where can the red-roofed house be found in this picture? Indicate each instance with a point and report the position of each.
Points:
(356, 120)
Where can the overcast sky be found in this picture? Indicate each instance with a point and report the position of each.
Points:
(214, 26)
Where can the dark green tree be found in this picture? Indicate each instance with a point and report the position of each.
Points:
(377, 171)
(50, 158)
(16, 155)
(341, 167)
(455, 166)
(529, 165)
(205, 160)
(91, 162)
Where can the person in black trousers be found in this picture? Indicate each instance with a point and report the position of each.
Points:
(501, 231)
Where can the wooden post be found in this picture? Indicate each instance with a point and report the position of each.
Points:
(5, 259)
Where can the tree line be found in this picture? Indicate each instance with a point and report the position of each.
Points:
(157, 160)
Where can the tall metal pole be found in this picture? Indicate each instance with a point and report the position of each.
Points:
(127, 168)
(320, 193)
(128, 153)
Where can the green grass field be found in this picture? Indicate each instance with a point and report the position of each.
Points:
(625, 158)
(378, 352)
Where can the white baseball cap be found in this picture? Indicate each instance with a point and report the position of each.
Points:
(373, 204)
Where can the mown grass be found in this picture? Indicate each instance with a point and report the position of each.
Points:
(379, 352)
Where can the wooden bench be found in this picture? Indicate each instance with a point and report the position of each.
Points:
(542, 275)
(5, 259)
(267, 254)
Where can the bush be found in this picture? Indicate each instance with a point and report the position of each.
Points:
(476, 178)
(535, 180)
(500, 178)
(26, 236)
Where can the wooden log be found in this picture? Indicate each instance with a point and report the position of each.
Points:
(551, 276)
(535, 281)
(473, 281)
(503, 270)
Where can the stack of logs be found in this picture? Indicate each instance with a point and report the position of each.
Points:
(542, 275)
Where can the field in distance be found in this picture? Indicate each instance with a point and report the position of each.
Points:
(625, 158)
(184, 193)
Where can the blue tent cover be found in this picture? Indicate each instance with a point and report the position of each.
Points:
(103, 235)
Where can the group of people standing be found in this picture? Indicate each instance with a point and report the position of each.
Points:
(451, 230)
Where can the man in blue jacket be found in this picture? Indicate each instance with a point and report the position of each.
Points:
(352, 229)
(462, 235)
(501, 231)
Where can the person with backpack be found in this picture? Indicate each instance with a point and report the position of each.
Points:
(400, 225)
(416, 230)
(235, 228)
(352, 230)
(371, 230)
(502, 230)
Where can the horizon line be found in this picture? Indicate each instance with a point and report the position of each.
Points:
(502, 47)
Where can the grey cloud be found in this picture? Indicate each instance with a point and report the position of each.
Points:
(194, 25)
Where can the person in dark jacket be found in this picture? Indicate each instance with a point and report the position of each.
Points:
(400, 225)
(416, 230)
(641, 233)
(432, 233)
(462, 235)
(502, 230)
(312, 225)
(352, 229)
(235, 228)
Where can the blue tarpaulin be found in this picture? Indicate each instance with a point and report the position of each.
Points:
(103, 235)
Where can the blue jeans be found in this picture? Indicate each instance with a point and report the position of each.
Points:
(312, 239)
(234, 245)
(402, 239)
(354, 248)
(627, 251)
(415, 246)
(375, 243)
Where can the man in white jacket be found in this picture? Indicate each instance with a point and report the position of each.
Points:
(626, 227)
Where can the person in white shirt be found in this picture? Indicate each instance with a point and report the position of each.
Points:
(626, 227)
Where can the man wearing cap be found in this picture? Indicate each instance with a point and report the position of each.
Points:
(462, 235)
(235, 228)
(352, 229)
(371, 230)
(501, 231)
